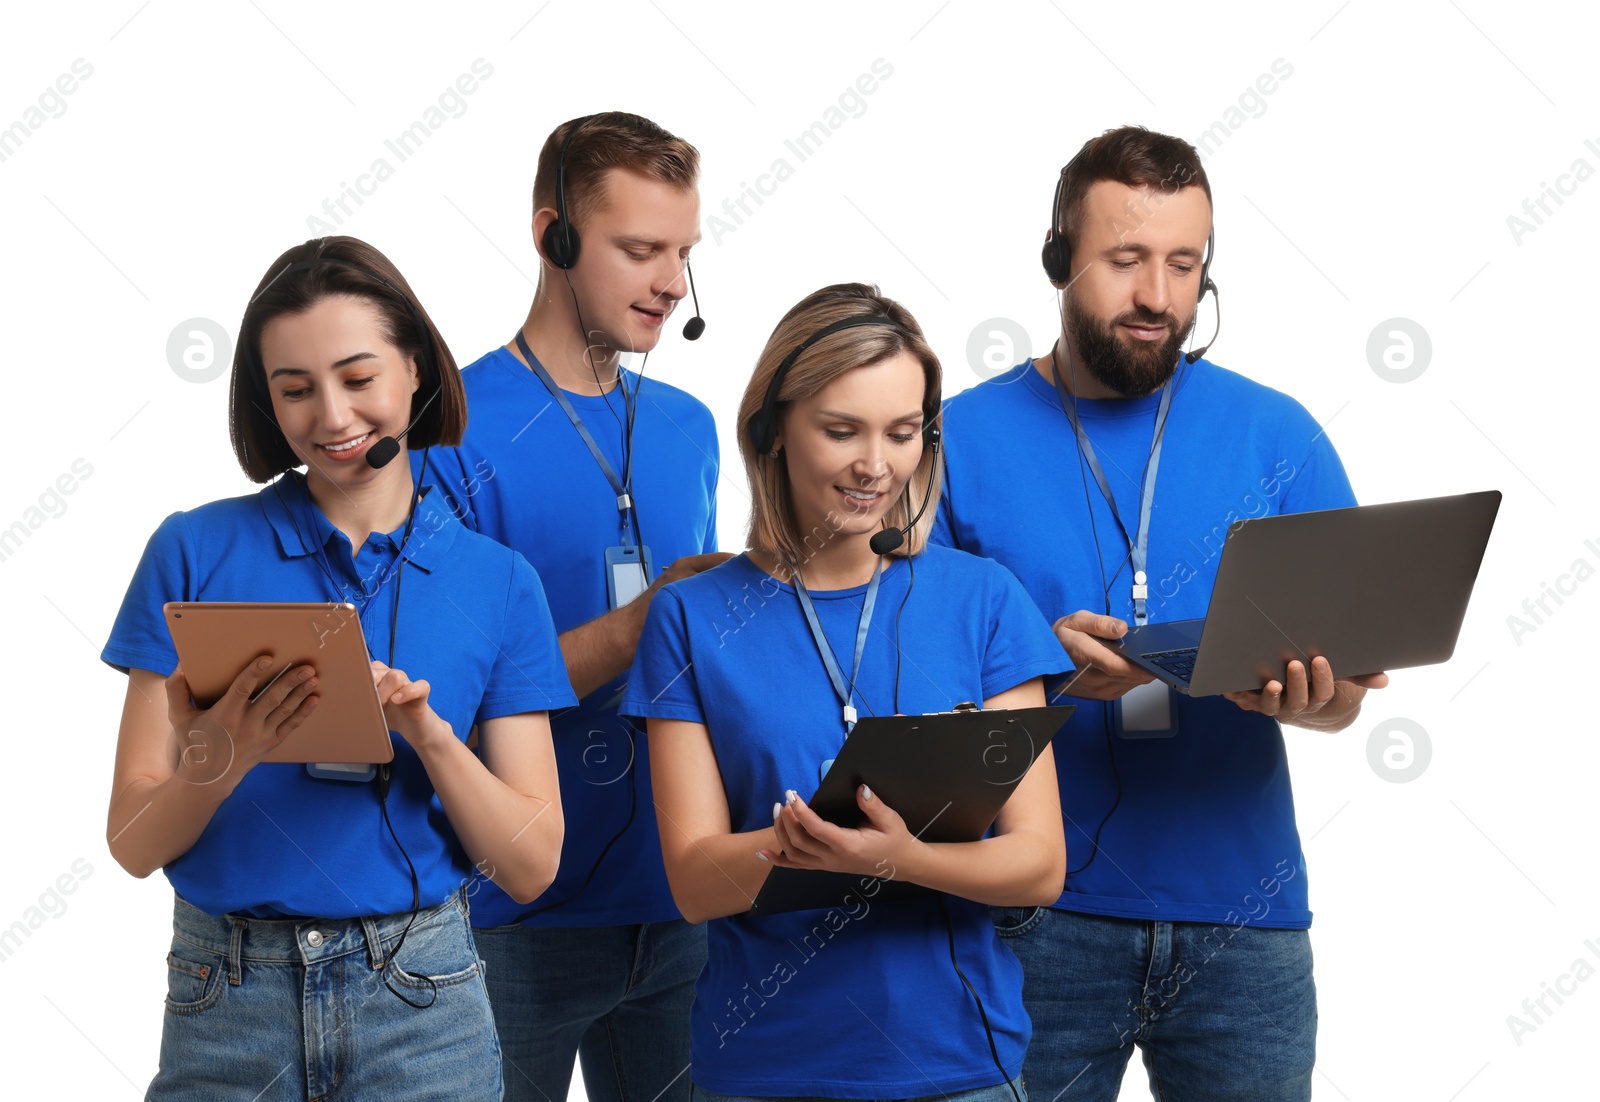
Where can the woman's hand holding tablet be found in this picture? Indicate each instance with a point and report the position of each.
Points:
(246, 723)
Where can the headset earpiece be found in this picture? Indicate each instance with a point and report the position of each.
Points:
(1056, 256)
(763, 427)
(560, 239)
(762, 432)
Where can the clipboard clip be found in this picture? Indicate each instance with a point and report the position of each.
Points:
(966, 707)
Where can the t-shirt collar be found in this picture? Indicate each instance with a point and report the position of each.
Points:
(583, 403)
(1045, 391)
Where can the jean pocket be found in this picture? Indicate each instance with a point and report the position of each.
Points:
(441, 953)
(1016, 921)
(420, 982)
(194, 981)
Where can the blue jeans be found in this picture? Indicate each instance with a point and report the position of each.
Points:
(616, 996)
(1004, 1092)
(1219, 1012)
(297, 1009)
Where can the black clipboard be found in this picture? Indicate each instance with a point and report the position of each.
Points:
(948, 774)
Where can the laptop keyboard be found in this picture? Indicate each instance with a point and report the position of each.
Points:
(1179, 663)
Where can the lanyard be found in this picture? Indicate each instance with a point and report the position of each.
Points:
(622, 487)
(846, 694)
(1139, 543)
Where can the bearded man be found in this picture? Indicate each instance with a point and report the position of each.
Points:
(1106, 476)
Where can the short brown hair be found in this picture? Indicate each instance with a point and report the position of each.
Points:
(774, 528)
(1129, 155)
(610, 139)
(339, 266)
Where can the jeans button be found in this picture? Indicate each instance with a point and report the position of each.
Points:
(314, 939)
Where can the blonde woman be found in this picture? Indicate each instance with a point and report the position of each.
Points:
(751, 675)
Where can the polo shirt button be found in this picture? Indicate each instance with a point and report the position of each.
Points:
(314, 939)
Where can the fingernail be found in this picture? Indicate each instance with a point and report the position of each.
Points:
(777, 809)
(866, 793)
(790, 796)
(761, 855)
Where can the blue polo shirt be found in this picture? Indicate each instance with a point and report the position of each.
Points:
(524, 477)
(473, 623)
(773, 1013)
(1204, 830)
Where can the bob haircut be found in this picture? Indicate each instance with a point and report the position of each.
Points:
(339, 267)
(774, 527)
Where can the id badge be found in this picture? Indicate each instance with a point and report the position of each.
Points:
(1146, 711)
(628, 574)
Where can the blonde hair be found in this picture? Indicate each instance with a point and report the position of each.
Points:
(774, 528)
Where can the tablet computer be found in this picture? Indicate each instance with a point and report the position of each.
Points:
(947, 774)
(217, 639)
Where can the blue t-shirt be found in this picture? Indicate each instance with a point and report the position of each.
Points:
(473, 624)
(524, 477)
(1205, 830)
(730, 648)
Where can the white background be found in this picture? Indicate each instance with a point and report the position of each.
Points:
(1375, 182)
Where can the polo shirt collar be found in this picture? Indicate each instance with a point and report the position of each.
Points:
(303, 529)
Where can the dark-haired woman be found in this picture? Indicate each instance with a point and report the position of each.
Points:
(321, 945)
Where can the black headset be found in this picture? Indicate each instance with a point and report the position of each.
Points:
(562, 243)
(560, 240)
(763, 427)
(1056, 256)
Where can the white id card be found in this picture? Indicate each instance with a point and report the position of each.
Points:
(627, 574)
(1147, 711)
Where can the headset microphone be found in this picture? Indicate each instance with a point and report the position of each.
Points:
(695, 325)
(383, 452)
(890, 539)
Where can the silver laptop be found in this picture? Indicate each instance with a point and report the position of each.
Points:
(1371, 589)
